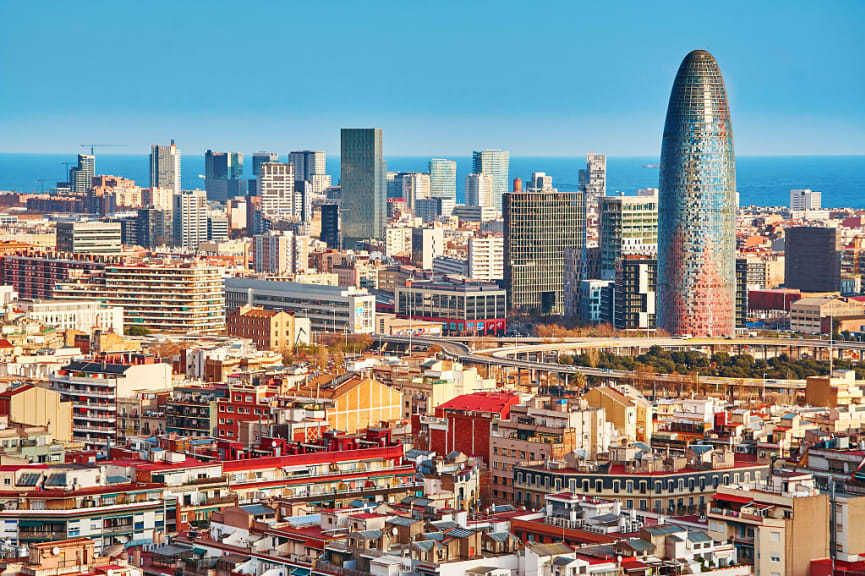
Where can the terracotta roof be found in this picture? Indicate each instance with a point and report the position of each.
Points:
(490, 402)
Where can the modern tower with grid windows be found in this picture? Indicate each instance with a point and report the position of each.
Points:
(696, 291)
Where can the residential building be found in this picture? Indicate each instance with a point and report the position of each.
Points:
(463, 307)
(496, 164)
(281, 252)
(427, 244)
(479, 190)
(191, 410)
(411, 187)
(591, 301)
(838, 390)
(82, 315)
(37, 406)
(486, 257)
(629, 412)
(190, 219)
(543, 429)
(329, 308)
(89, 237)
(778, 525)
(158, 296)
(697, 225)
(629, 225)
(805, 199)
(165, 167)
(277, 191)
(154, 227)
(539, 226)
(95, 389)
(355, 402)
(275, 330)
(364, 184)
(593, 179)
(812, 259)
(81, 176)
(397, 240)
(443, 178)
(633, 306)
(430, 209)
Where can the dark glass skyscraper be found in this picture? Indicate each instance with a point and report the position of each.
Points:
(364, 185)
(697, 205)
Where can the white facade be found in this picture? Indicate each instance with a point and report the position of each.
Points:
(281, 252)
(805, 199)
(397, 239)
(487, 257)
(165, 167)
(329, 308)
(479, 190)
(276, 189)
(306, 164)
(74, 315)
(190, 219)
(427, 244)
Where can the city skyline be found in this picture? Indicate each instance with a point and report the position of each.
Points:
(470, 107)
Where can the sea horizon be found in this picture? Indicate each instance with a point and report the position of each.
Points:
(762, 180)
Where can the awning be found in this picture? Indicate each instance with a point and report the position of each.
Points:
(300, 572)
(733, 498)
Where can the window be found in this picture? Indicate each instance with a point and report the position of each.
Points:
(774, 537)
(774, 557)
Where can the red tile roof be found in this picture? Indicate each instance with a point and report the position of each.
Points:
(489, 402)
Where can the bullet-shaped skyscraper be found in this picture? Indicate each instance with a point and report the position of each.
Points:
(697, 205)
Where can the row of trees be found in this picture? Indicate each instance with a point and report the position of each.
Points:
(721, 364)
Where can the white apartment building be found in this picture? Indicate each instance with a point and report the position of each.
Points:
(190, 219)
(281, 252)
(78, 315)
(479, 190)
(487, 257)
(397, 239)
(806, 199)
(277, 191)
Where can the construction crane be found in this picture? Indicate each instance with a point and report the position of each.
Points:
(41, 182)
(67, 165)
(92, 146)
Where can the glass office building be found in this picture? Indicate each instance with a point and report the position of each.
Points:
(496, 164)
(443, 178)
(363, 177)
(697, 205)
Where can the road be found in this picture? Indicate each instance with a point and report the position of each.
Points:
(500, 357)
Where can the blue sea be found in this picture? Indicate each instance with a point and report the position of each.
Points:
(762, 180)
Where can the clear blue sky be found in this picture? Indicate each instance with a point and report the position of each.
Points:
(538, 78)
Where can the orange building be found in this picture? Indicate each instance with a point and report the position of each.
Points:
(276, 330)
(357, 402)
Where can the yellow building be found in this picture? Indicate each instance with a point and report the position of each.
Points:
(629, 413)
(840, 389)
(357, 402)
(38, 407)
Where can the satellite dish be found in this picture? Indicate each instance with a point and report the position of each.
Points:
(55, 551)
(273, 444)
(394, 531)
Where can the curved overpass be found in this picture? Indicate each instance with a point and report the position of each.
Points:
(509, 356)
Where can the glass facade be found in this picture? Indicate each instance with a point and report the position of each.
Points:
(697, 205)
(539, 227)
(443, 178)
(363, 177)
(496, 164)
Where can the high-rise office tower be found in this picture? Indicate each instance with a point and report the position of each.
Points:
(495, 163)
(443, 178)
(364, 185)
(697, 205)
(629, 225)
(81, 176)
(260, 158)
(593, 178)
(540, 182)
(479, 190)
(805, 199)
(307, 163)
(222, 172)
(190, 219)
(634, 293)
(330, 225)
(539, 227)
(812, 259)
(411, 186)
(165, 167)
(276, 189)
